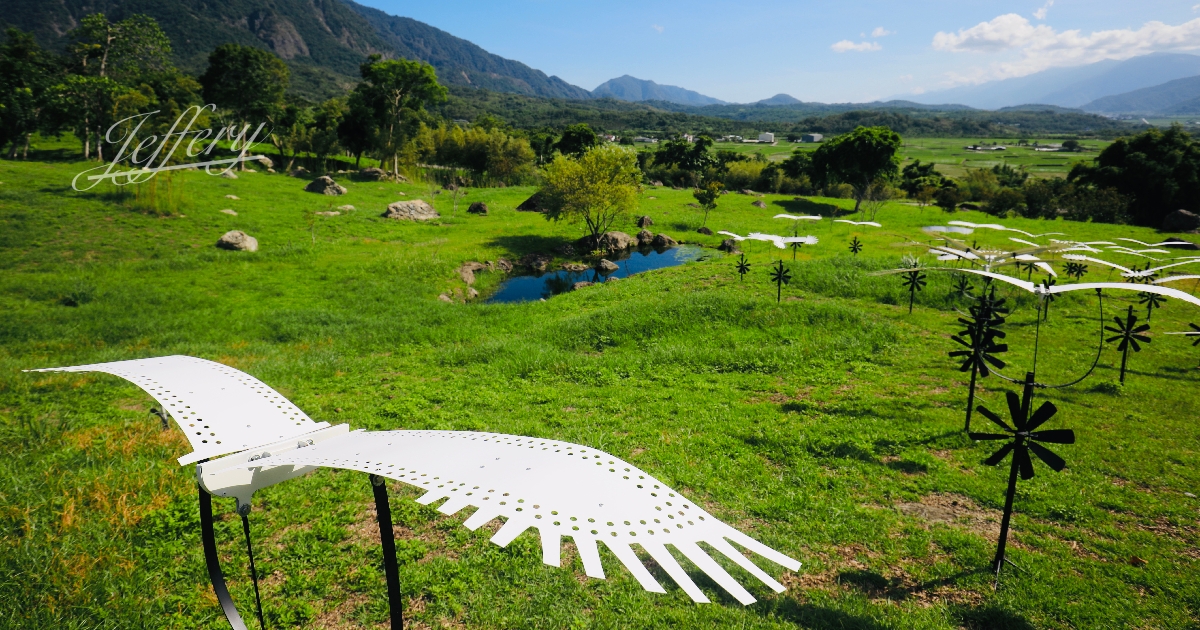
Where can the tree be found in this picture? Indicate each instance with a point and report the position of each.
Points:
(691, 157)
(917, 176)
(396, 91)
(356, 131)
(26, 76)
(323, 134)
(858, 158)
(246, 81)
(1005, 200)
(89, 106)
(290, 135)
(122, 51)
(1009, 176)
(707, 197)
(947, 198)
(576, 140)
(1157, 171)
(924, 195)
(595, 188)
(798, 165)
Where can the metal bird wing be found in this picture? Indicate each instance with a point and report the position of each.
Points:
(798, 218)
(732, 235)
(870, 223)
(1133, 240)
(221, 410)
(558, 488)
(1175, 279)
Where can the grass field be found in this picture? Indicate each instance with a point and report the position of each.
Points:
(952, 158)
(827, 425)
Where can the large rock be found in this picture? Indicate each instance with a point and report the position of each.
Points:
(228, 174)
(535, 203)
(415, 210)
(729, 245)
(704, 230)
(759, 204)
(266, 161)
(238, 240)
(504, 265)
(372, 174)
(606, 266)
(645, 221)
(299, 171)
(645, 238)
(325, 185)
(468, 269)
(534, 261)
(746, 191)
(576, 267)
(1181, 221)
(580, 285)
(663, 241)
(479, 208)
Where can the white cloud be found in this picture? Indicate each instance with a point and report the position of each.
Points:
(1038, 47)
(657, 28)
(847, 46)
(918, 90)
(1041, 13)
(1195, 7)
(880, 32)
(906, 77)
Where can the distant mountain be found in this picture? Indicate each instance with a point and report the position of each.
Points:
(322, 41)
(1160, 99)
(629, 88)
(780, 99)
(1072, 87)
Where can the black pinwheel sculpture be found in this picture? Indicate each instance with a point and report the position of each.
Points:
(1129, 334)
(1047, 297)
(742, 267)
(1023, 437)
(979, 339)
(855, 246)
(795, 248)
(780, 277)
(1028, 267)
(913, 281)
(1152, 301)
(1147, 278)
(1076, 270)
(963, 287)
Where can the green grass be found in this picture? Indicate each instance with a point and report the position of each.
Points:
(951, 157)
(821, 425)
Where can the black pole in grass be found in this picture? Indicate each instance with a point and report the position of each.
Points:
(1075, 270)
(855, 246)
(1152, 301)
(1024, 437)
(795, 248)
(1129, 335)
(742, 267)
(780, 277)
(913, 281)
(1028, 267)
(980, 340)
(1047, 297)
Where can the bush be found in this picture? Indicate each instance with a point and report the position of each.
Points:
(1004, 201)
(839, 191)
(743, 174)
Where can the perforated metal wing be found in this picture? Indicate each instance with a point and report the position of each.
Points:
(220, 409)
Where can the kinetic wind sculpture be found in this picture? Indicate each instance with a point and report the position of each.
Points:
(780, 277)
(962, 288)
(1129, 334)
(980, 341)
(1152, 301)
(997, 226)
(742, 267)
(1024, 437)
(1075, 270)
(246, 436)
(782, 242)
(860, 223)
(855, 246)
(914, 280)
(1194, 332)
(1048, 297)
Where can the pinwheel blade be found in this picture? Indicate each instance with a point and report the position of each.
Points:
(1023, 463)
(993, 360)
(1014, 410)
(988, 436)
(1039, 417)
(1048, 456)
(1054, 436)
(999, 455)
(987, 413)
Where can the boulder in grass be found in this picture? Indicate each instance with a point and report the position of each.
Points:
(372, 174)
(645, 238)
(233, 197)
(479, 208)
(415, 210)
(729, 245)
(445, 298)
(328, 213)
(704, 230)
(299, 171)
(575, 267)
(230, 211)
(504, 265)
(746, 191)
(228, 175)
(238, 240)
(346, 208)
(656, 183)
(468, 269)
(606, 266)
(324, 185)
(580, 285)
(759, 204)
(1181, 221)
(644, 221)
(534, 203)
(266, 162)
(662, 241)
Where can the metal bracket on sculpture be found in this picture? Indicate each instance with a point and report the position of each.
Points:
(224, 478)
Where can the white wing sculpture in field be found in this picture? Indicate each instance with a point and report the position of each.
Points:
(246, 436)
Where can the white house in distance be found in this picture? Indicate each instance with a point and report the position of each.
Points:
(812, 137)
(766, 137)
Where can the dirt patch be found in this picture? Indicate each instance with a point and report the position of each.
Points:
(338, 617)
(954, 509)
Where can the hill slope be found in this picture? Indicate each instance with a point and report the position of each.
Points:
(629, 88)
(322, 41)
(1072, 87)
(1159, 99)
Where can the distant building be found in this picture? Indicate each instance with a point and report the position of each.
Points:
(689, 137)
(731, 138)
(766, 137)
(646, 140)
(812, 137)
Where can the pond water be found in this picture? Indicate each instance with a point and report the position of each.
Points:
(526, 288)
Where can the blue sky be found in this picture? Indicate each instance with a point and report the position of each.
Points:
(815, 50)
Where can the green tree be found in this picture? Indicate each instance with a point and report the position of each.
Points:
(798, 165)
(396, 91)
(123, 51)
(1157, 171)
(90, 106)
(1004, 201)
(323, 133)
(26, 75)
(947, 198)
(858, 158)
(917, 176)
(290, 135)
(576, 140)
(707, 197)
(356, 131)
(247, 82)
(690, 157)
(1010, 177)
(596, 188)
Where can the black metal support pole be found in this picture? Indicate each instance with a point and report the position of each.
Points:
(213, 561)
(387, 540)
(971, 397)
(253, 573)
(998, 563)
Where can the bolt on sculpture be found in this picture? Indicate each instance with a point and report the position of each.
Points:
(246, 436)
(980, 340)
(1024, 437)
(1129, 334)
(780, 277)
(855, 246)
(742, 267)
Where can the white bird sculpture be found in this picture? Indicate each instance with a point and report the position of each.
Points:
(997, 226)
(1132, 274)
(248, 437)
(1175, 279)
(1042, 289)
(1171, 242)
(735, 237)
(782, 242)
(870, 223)
(797, 218)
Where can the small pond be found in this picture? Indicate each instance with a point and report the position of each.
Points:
(526, 288)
